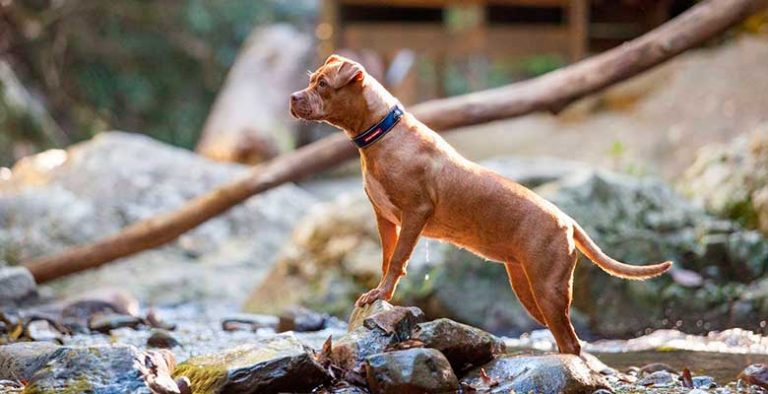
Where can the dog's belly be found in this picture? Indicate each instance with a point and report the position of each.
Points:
(482, 244)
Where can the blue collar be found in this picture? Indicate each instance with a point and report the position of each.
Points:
(375, 132)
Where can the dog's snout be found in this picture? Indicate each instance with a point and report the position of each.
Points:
(296, 97)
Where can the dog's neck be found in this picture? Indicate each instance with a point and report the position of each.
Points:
(376, 105)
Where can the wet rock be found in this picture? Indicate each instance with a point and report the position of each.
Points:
(660, 378)
(249, 322)
(341, 388)
(97, 187)
(704, 382)
(116, 368)
(106, 323)
(162, 339)
(392, 320)
(464, 346)
(410, 371)
(755, 374)
(550, 374)
(184, 385)
(18, 361)
(16, 285)
(350, 350)
(277, 364)
(301, 320)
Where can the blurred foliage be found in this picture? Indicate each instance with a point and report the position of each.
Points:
(137, 65)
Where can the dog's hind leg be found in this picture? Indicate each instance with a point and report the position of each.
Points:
(522, 288)
(552, 281)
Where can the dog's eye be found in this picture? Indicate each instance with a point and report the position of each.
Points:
(322, 84)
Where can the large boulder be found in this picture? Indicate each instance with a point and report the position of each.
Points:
(642, 220)
(335, 256)
(58, 199)
(732, 180)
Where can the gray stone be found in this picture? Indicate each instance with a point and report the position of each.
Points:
(16, 285)
(381, 315)
(410, 371)
(97, 369)
(755, 374)
(19, 361)
(350, 350)
(278, 364)
(551, 374)
(464, 346)
(58, 199)
(661, 378)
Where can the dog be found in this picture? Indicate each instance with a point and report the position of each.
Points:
(419, 185)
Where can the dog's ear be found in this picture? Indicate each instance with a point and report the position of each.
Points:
(349, 71)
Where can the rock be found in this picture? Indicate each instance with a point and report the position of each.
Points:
(18, 361)
(410, 371)
(464, 346)
(104, 323)
(660, 378)
(277, 364)
(249, 321)
(60, 198)
(301, 320)
(100, 369)
(704, 382)
(381, 315)
(732, 180)
(755, 374)
(642, 221)
(549, 374)
(162, 339)
(16, 285)
(350, 350)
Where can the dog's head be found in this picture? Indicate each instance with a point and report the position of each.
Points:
(334, 92)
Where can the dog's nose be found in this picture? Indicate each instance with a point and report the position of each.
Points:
(296, 97)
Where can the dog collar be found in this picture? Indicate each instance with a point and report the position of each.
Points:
(375, 132)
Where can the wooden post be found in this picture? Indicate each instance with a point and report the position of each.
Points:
(578, 26)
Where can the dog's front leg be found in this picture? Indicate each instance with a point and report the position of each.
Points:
(412, 225)
(388, 236)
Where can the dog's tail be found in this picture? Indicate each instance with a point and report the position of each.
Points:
(611, 266)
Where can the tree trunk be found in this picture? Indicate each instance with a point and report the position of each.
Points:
(551, 92)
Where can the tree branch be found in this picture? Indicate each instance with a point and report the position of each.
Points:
(551, 92)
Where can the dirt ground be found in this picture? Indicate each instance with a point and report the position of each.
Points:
(652, 124)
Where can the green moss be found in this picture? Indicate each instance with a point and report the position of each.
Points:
(204, 379)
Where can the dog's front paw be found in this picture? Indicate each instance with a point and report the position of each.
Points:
(371, 296)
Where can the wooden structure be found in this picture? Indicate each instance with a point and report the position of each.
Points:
(445, 30)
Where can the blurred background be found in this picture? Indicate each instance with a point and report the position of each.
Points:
(113, 112)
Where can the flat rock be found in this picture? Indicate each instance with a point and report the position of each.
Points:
(410, 371)
(278, 364)
(96, 369)
(18, 361)
(550, 374)
(16, 285)
(464, 346)
(390, 319)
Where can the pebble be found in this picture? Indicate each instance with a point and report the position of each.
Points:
(162, 339)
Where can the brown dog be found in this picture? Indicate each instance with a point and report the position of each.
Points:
(419, 185)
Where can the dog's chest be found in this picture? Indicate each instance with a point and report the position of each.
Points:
(379, 197)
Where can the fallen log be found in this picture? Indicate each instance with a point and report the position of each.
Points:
(551, 92)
